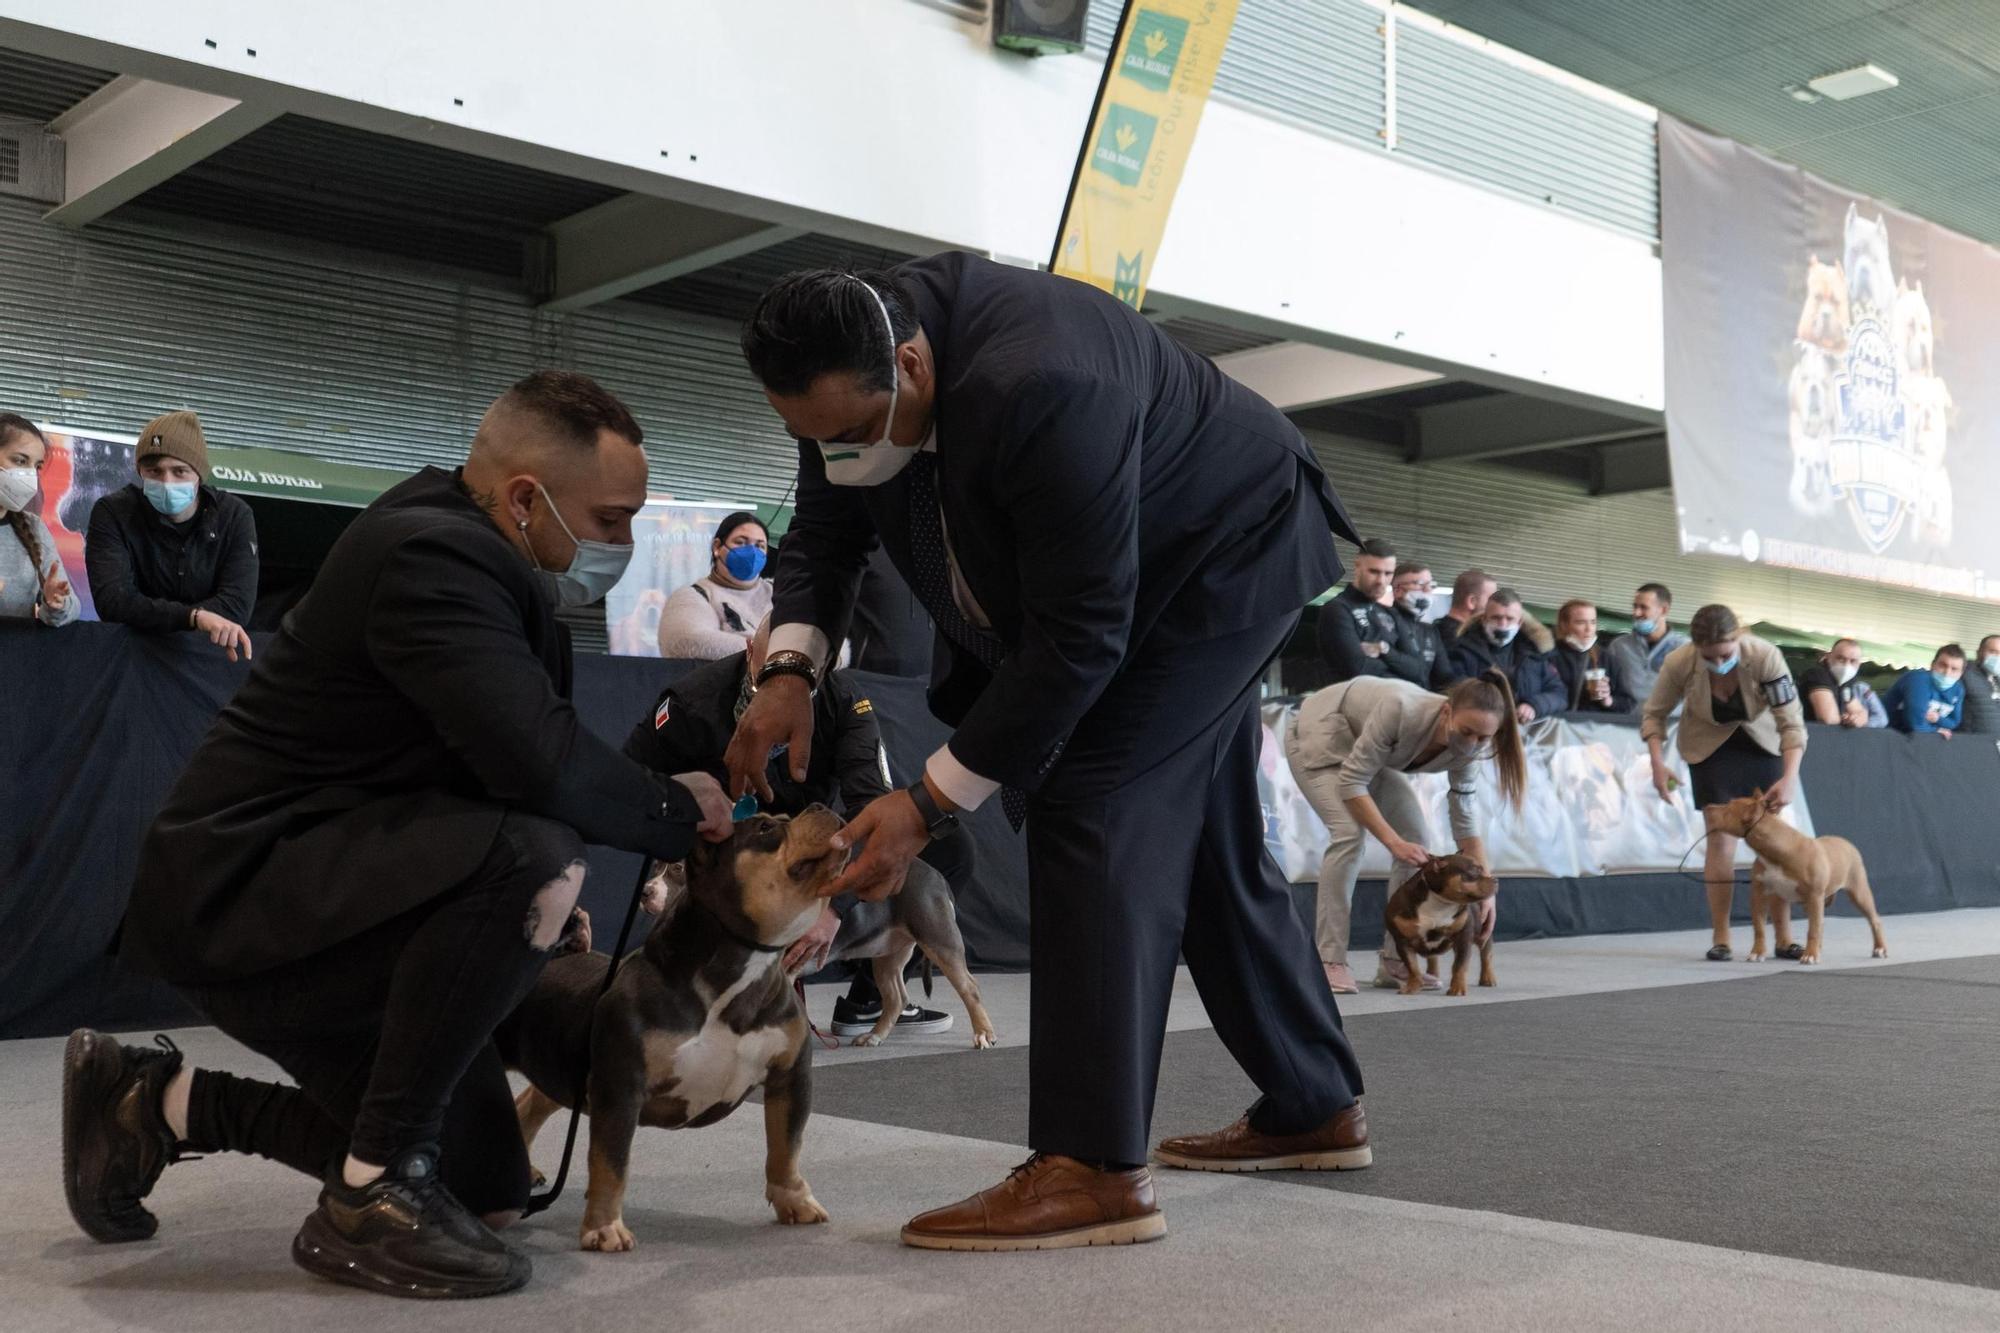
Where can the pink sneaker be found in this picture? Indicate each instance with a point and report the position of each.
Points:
(1339, 979)
(1390, 975)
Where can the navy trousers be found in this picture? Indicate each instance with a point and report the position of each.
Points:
(1146, 844)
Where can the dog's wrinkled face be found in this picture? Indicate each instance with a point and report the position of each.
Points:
(1735, 817)
(765, 882)
(1459, 879)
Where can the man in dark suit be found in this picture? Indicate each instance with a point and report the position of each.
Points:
(1114, 540)
(372, 854)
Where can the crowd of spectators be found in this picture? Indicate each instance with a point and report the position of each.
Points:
(1387, 623)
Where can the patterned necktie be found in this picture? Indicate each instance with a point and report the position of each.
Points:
(932, 584)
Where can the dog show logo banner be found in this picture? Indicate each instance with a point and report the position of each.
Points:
(1156, 84)
(1825, 409)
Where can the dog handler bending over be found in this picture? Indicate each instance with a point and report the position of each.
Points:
(1349, 750)
(1114, 540)
(372, 854)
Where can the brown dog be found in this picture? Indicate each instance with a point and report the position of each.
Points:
(1437, 909)
(1792, 868)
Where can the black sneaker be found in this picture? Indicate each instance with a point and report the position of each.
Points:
(405, 1235)
(115, 1138)
(854, 1020)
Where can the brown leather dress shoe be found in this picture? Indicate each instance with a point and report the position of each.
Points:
(1341, 1144)
(1046, 1203)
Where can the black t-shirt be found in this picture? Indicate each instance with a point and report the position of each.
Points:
(1821, 677)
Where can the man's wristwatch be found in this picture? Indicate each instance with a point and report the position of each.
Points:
(937, 822)
(790, 662)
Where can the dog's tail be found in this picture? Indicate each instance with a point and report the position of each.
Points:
(927, 976)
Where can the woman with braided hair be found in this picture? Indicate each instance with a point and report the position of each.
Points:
(32, 585)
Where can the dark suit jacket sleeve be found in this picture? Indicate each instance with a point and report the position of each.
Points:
(1537, 683)
(857, 746)
(1066, 472)
(114, 580)
(235, 591)
(447, 632)
(1340, 644)
(1405, 660)
(823, 552)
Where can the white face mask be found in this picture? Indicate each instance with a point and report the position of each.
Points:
(871, 464)
(1846, 671)
(17, 488)
(1581, 645)
(592, 571)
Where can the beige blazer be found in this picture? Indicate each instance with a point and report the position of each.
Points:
(1684, 679)
(1370, 724)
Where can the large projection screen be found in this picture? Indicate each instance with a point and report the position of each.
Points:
(1831, 374)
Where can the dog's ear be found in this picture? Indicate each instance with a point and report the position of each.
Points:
(705, 853)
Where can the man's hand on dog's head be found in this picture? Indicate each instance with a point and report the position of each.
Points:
(890, 831)
(715, 822)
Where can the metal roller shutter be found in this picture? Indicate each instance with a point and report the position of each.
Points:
(303, 348)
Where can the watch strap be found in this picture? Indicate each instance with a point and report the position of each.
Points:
(936, 818)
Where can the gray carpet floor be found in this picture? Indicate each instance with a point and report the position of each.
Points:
(1843, 1117)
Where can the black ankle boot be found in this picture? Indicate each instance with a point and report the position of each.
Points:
(405, 1235)
(115, 1136)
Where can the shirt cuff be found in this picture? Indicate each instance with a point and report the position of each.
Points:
(961, 786)
(801, 638)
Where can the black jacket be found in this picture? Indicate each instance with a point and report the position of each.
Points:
(1103, 488)
(690, 725)
(416, 695)
(1350, 620)
(1419, 644)
(1982, 702)
(1570, 666)
(150, 572)
(1535, 682)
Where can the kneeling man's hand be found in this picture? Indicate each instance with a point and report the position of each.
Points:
(890, 831)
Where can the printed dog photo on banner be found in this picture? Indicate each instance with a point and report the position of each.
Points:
(1826, 403)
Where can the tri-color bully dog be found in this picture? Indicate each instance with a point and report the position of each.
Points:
(699, 1016)
(1793, 868)
(1437, 909)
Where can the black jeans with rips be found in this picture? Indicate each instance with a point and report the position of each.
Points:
(389, 1034)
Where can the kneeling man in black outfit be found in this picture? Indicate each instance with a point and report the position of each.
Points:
(373, 853)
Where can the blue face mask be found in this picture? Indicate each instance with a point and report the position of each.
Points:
(1725, 666)
(1944, 682)
(1991, 664)
(1502, 637)
(744, 563)
(170, 497)
(1645, 627)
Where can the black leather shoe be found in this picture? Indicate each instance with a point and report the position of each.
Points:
(115, 1139)
(405, 1235)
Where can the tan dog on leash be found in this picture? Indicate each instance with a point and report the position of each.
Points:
(1793, 868)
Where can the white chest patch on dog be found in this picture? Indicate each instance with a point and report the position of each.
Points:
(1778, 884)
(1435, 913)
(718, 1067)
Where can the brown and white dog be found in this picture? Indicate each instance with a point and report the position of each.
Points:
(1793, 868)
(1438, 908)
(702, 1014)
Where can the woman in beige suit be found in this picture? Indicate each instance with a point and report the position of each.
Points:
(1349, 750)
(1741, 730)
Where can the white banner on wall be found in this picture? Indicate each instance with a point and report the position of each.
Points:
(673, 538)
(1591, 808)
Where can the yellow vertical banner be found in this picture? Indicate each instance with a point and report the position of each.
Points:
(1149, 104)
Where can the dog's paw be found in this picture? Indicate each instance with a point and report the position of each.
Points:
(536, 1177)
(1410, 988)
(984, 1041)
(867, 1039)
(1755, 956)
(1489, 981)
(1808, 958)
(614, 1237)
(795, 1204)
(1456, 988)
(1880, 953)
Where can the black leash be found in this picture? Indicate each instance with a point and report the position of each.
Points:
(1704, 880)
(537, 1202)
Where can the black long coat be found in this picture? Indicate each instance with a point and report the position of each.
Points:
(417, 694)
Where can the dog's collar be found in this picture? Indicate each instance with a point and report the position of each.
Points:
(752, 945)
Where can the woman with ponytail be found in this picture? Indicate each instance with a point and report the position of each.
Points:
(31, 574)
(1351, 749)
